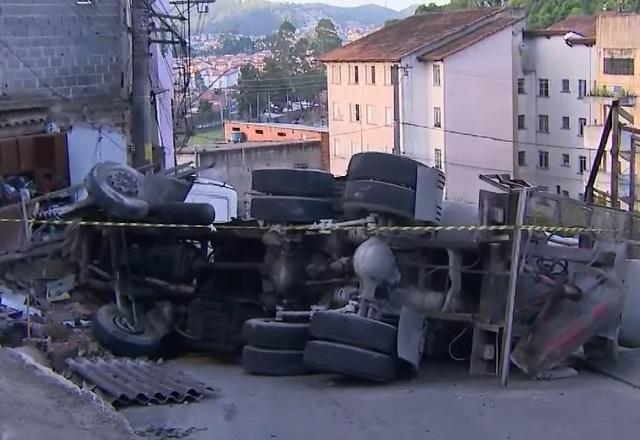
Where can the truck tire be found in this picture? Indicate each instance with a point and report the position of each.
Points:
(331, 357)
(293, 182)
(121, 340)
(282, 209)
(116, 190)
(266, 362)
(367, 196)
(182, 213)
(384, 167)
(354, 330)
(269, 333)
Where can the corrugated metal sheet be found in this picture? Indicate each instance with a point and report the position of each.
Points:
(138, 382)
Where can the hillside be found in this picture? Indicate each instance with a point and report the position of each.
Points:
(261, 17)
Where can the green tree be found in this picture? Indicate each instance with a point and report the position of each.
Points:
(205, 112)
(325, 37)
(426, 9)
(391, 21)
(248, 87)
(285, 46)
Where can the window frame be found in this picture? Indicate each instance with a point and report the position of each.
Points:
(336, 68)
(522, 122)
(582, 88)
(437, 117)
(618, 66)
(437, 158)
(336, 113)
(546, 83)
(522, 158)
(565, 82)
(566, 126)
(543, 160)
(356, 113)
(388, 116)
(566, 160)
(522, 88)
(437, 75)
(582, 164)
(372, 109)
(582, 123)
(540, 119)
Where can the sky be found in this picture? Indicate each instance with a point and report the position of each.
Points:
(393, 4)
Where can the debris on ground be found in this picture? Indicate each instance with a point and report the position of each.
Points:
(166, 433)
(128, 382)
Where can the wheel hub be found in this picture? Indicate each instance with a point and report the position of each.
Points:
(123, 182)
(123, 324)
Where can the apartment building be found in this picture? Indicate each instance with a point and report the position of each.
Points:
(457, 94)
(554, 105)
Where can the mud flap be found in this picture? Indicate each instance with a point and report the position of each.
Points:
(411, 336)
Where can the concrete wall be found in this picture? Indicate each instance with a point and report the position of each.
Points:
(59, 52)
(618, 35)
(233, 165)
(349, 137)
(549, 57)
(478, 100)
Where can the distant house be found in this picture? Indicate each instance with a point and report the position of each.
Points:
(457, 94)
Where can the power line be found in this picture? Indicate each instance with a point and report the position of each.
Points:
(497, 139)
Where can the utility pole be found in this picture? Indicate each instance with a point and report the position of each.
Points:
(632, 174)
(395, 81)
(615, 154)
(141, 88)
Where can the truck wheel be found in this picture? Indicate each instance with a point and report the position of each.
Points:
(281, 209)
(293, 182)
(354, 330)
(273, 362)
(182, 213)
(384, 167)
(330, 357)
(115, 188)
(268, 333)
(118, 336)
(365, 196)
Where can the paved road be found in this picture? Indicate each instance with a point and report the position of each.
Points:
(444, 403)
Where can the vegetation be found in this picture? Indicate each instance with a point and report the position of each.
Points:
(213, 135)
(291, 74)
(541, 13)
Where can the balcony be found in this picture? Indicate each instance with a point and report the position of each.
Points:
(627, 98)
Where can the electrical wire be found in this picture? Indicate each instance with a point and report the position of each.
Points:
(494, 138)
(453, 341)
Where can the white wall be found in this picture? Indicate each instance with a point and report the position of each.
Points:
(89, 145)
(553, 59)
(418, 97)
(478, 99)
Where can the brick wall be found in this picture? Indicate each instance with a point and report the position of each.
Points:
(56, 51)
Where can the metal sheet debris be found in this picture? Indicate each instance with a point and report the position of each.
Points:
(130, 382)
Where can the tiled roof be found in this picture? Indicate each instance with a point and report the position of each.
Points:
(496, 25)
(584, 25)
(393, 42)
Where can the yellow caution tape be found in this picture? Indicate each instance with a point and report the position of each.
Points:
(312, 228)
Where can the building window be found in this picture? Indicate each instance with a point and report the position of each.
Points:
(521, 122)
(543, 87)
(543, 159)
(521, 90)
(354, 74)
(582, 164)
(566, 86)
(566, 123)
(438, 158)
(436, 74)
(565, 193)
(235, 129)
(582, 122)
(259, 131)
(336, 74)
(372, 75)
(281, 134)
(336, 147)
(337, 116)
(522, 158)
(355, 112)
(355, 148)
(371, 115)
(437, 117)
(388, 116)
(582, 88)
(387, 76)
(618, 66)
(543, 123)
(558, 189)
(566, 160)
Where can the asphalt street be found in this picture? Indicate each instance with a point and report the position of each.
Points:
(442, 403)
